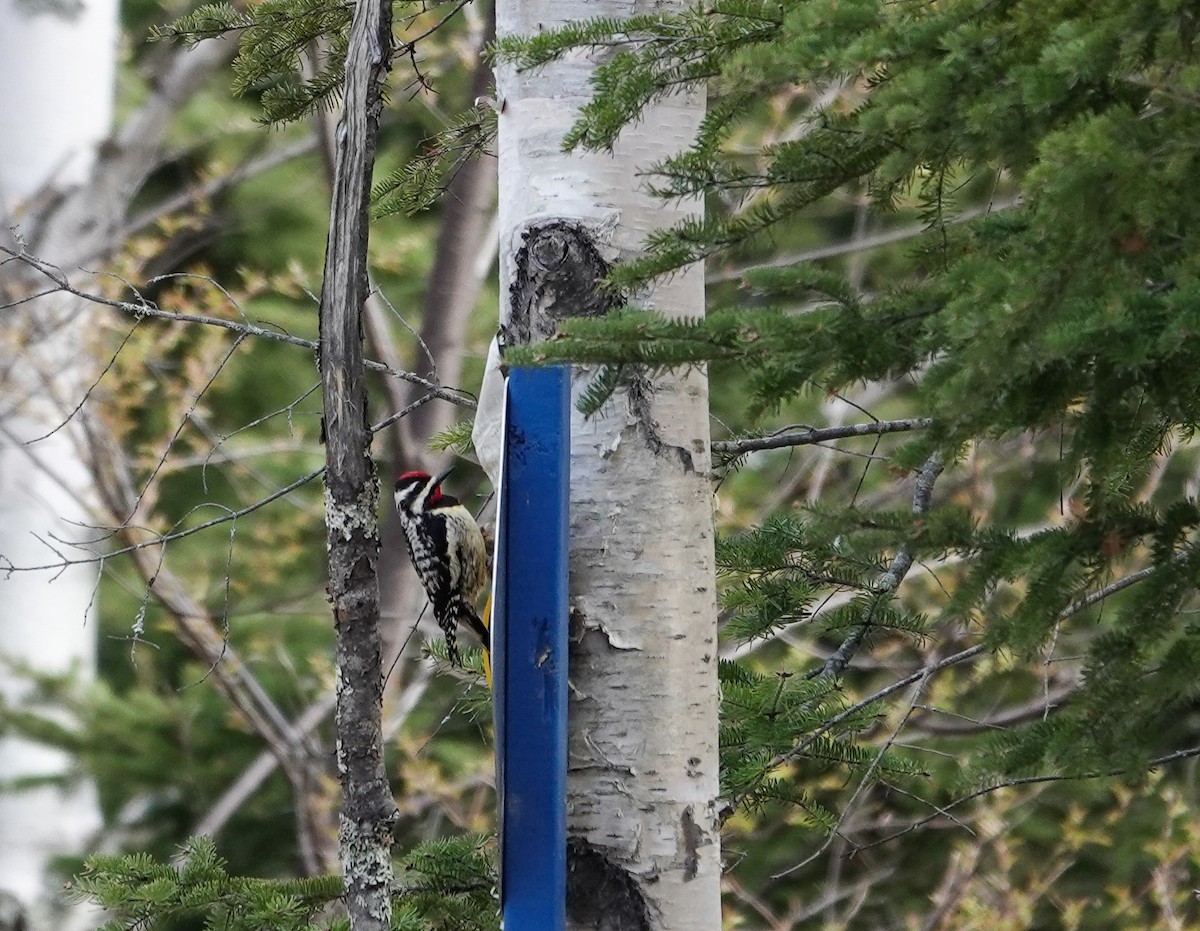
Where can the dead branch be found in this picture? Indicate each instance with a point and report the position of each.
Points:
(352, 488)
(812, 435)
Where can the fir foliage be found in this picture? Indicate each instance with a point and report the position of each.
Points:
(274, 35)
(444, 884)
(420, 181)
(1072, 311)
(141, 893)
(456, 438)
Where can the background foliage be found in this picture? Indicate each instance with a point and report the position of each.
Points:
(959, 657)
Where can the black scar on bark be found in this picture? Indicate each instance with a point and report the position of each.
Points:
(558, 274)
(600, 895)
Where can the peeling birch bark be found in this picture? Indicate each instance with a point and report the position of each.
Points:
(352, 488)
(643, 846)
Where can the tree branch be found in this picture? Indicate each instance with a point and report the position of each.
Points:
(252, 778)
(890, 580)
(212, 187)
(82, 227)
(813, 435)
(959, 724)
(1026, 781)
(143, 308)
(862, 244)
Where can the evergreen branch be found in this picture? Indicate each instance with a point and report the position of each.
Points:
(141, 892)
(842, 341)
(927, 672)
(813, 435)
(456, 437)
(418, 184)
(209, 21)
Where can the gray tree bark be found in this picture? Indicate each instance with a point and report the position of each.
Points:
(352, 488)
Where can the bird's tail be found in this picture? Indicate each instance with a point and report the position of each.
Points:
(466, 615)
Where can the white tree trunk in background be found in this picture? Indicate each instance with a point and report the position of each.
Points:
(57, 60)
(642, 767)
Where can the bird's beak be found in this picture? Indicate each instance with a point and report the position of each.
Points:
(441, 476)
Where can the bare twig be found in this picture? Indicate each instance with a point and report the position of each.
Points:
(862, 244)
(143, 308)
(1026, 781)
(890, 580)
(933, 722)
(159, 539)
(813, 435)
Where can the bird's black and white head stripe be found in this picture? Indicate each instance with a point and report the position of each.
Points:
(416, 492)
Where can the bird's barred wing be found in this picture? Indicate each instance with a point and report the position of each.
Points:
(434, 571)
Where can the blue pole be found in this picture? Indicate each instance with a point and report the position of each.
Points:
(529, 650)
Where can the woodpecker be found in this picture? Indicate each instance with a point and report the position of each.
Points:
(448, 552)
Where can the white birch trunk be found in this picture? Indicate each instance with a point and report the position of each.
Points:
(642, 767)
(57, 61)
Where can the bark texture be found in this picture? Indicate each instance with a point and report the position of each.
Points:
(352, 489)
(643, 845)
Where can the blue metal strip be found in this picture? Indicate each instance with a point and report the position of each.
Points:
(529, 652)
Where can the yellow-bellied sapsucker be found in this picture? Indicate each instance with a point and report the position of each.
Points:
(448, 551)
